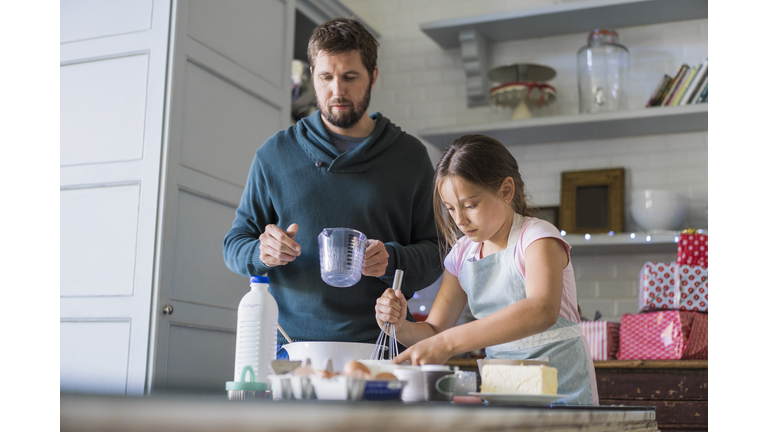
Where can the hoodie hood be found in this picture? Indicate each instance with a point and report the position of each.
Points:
(314, 139)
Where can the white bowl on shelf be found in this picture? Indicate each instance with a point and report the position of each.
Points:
(659, 210)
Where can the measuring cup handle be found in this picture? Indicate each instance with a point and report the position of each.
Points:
(447, 381)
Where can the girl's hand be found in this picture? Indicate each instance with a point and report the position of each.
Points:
(429, 351)
(391, 307)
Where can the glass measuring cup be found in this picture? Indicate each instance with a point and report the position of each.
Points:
(342, 251)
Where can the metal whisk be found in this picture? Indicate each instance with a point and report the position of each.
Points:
(388, 331)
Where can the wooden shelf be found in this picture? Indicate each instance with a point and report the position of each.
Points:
(471, 364)
(662, 242)
(579, 17)
(617, 124)
(651, 364)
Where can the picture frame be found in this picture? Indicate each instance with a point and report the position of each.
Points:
(592, 201)
(547, 213)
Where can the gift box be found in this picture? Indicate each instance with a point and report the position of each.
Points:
(670, 286)
(656, 289)
(693, 249)
(602, 338)
(664, 335)
(692, 288)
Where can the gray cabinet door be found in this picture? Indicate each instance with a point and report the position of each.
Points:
(228, 91)
(113, 72)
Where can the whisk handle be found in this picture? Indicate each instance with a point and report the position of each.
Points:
(398, 280)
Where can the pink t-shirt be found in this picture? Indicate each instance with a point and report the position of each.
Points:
(531, 230)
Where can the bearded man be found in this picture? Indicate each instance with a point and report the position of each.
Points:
(339, 167)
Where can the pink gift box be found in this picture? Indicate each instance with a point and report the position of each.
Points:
(693, 249)
(602, 338)
(665, 335)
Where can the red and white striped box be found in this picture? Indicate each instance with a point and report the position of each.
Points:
(665, 335)
(602, 338)
(693, 249)
(656, 289)
(692, 288)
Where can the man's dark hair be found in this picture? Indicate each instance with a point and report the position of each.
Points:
(341, 35)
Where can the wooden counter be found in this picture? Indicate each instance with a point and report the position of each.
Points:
(215, 413)
(677, 388)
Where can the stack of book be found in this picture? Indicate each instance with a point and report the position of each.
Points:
(689, 86)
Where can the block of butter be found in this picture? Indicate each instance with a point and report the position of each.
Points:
(518, 379)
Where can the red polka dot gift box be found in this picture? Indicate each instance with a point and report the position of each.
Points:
(692, 288)
(664, 335)
(673, 286)
(656, 288)
(693, 248)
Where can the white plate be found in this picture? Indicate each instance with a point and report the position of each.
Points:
(517, 398)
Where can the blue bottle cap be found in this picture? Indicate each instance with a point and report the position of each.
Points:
(259, 279)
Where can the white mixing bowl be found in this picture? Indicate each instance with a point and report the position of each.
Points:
(339, 352)
(656, 210)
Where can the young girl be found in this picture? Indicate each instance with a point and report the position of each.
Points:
(513, 269)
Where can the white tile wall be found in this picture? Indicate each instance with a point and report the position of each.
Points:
(610, 284)
(422, 86)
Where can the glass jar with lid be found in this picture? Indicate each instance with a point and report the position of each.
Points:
(603, 73)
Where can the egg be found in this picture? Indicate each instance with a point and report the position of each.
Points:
(303, 371)
(356, 369)
(386, 376)
(326, 374)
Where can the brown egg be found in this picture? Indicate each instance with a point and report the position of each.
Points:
(386, 376)
(303, 371)
(356, 369)
(326, 374)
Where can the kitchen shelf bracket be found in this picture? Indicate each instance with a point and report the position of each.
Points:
(474, 53)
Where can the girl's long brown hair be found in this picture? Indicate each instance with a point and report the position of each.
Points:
(480, 160)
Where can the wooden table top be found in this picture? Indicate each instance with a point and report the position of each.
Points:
(85, 413)
(471, 363)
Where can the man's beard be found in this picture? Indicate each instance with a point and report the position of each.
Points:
(350, 117)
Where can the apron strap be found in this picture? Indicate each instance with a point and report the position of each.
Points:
(540, 339)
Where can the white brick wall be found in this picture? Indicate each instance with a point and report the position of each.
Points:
(611, 285)
(422, 86)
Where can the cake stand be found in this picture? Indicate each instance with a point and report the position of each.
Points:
(523, 89)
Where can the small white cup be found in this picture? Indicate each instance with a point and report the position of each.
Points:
(414, 383)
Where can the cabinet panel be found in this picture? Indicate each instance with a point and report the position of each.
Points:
(94, 356)
(199, 273)
(200, 359)
(99, 228)
(248, 33)
(654, 385)
(223, 126)
(103, 105)
(88, 19)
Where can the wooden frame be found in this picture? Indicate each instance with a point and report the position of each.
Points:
(592, 201)
(548, 213)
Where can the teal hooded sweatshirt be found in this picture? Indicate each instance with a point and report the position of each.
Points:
(382, 188)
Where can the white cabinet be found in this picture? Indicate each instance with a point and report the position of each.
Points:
(163, 105)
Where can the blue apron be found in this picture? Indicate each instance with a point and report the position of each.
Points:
(493, 283)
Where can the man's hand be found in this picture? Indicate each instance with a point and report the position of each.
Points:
(376, 259)
(277, 246)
